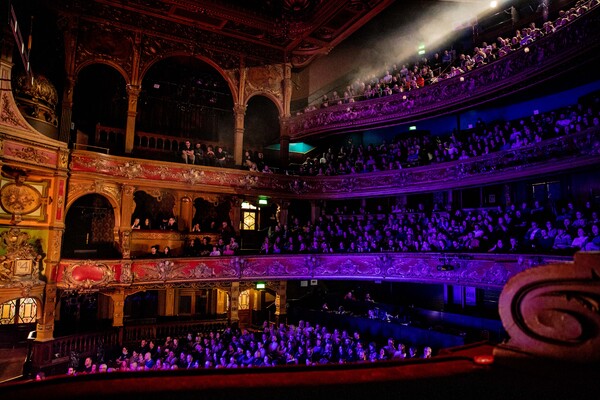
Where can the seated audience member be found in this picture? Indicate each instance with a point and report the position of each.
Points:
(171, 224)
(593, 243)
(228, 251)
(427, 352)
(220, 157)
(187, 153)
(532, 235)
(545, 242)
(215, 252)
(233, 245)
(209, 156)
(498, 247)
(562, 240)
(513, 245)
(205, 247)
(580, 240)
(136, 224)
(167, 252)
(147, 224)
(196, 227)
(154, 251)
(199, 154)
(190, 249)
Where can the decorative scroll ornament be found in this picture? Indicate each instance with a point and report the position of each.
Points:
(88, 275)
(126, 275)
(202, 271)
(20, 264)
(193, 176)
(553, 311)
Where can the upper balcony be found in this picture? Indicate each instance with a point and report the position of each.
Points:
(538, 159)
(558, 54)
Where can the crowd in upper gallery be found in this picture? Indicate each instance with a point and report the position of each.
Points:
(400, 78)
(528, 228)
(482, 139)
(304, 344)
(418, 150)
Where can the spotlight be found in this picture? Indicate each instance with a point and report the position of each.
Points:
(526, 50)
(403, 97)
(462, 78)
(493, 4)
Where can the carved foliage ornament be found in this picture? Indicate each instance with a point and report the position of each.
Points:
(21, 261)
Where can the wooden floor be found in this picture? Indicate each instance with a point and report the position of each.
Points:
(11, 363)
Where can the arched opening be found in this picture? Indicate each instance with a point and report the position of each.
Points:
(100, 103)
(261, 129)
(17, 319)
(184, 97)
(90, 228)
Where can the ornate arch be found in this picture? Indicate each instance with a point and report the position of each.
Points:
(229, 77)
(109, 63)
(36, 294)
(276, 100)
(110, 192)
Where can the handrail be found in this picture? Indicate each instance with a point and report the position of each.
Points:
(483, 270)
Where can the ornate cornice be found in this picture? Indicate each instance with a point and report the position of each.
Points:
(478, 270)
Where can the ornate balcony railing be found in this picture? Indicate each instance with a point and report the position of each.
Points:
(477, 270)
(570, 46)
(549, 156)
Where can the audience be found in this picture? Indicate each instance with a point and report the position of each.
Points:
(429, 71)
(304, 344)
(510, 230)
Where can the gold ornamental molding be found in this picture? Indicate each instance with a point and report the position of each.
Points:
(86, 276)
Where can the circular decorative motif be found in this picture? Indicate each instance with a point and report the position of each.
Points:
(19, 199)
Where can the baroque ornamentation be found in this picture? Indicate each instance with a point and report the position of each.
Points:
(31, 154)
(21, 260)
(202, 271)
(85, 276)
(8, 115)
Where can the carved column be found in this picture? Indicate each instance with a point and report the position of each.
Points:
(235, 213)
(185, 214)
(66, 110)
(118, 299)
(239, 112)
(45, 326)
(127, 207)
(133, 92)
(281, 302)
(233, 303)
(287, 89)
(170, 302)
(69, 26)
